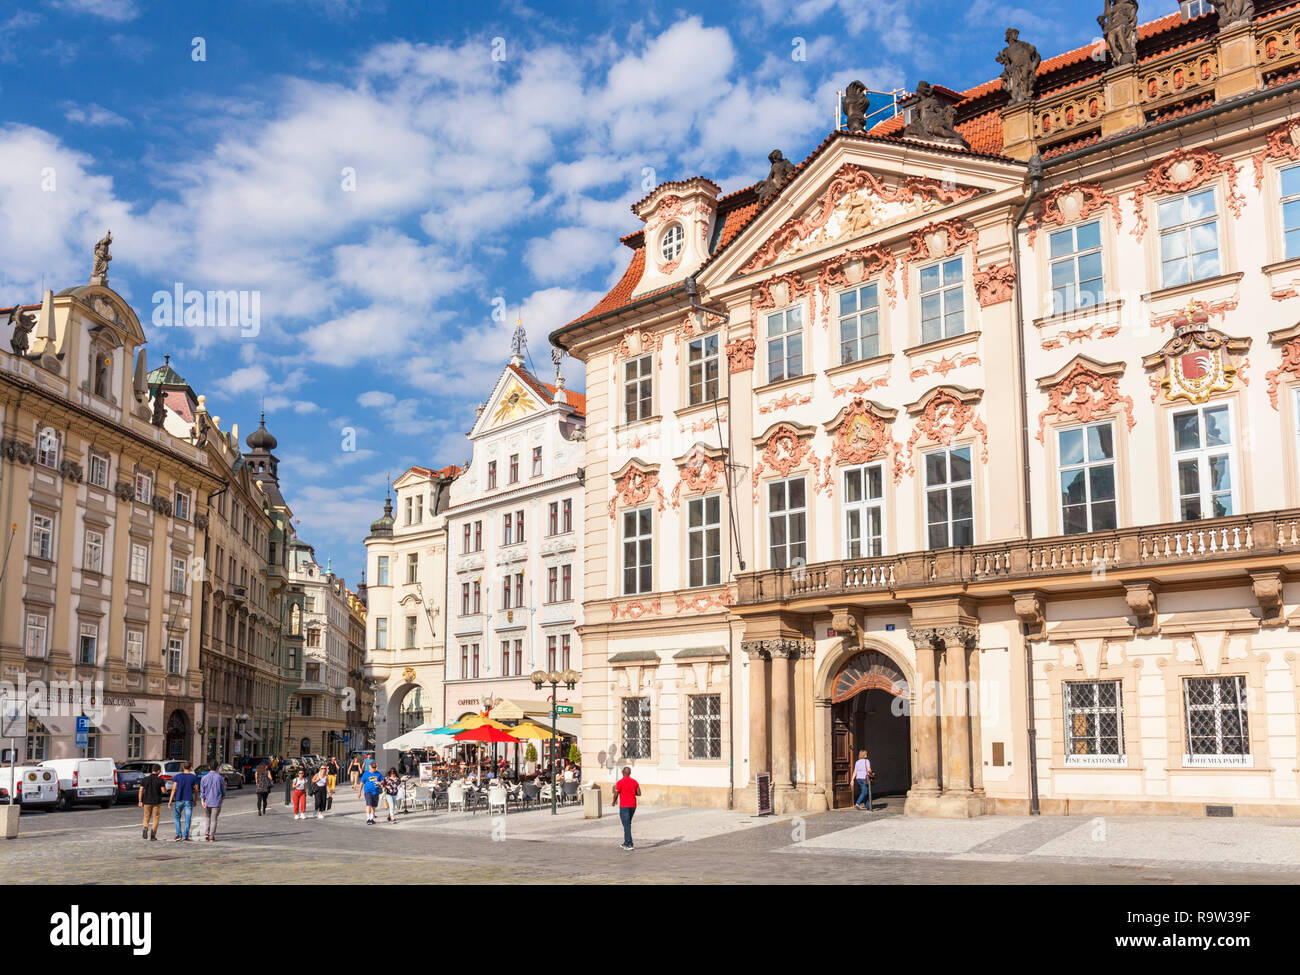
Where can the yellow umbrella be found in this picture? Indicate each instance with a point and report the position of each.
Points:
(531, 731)
(478, 721)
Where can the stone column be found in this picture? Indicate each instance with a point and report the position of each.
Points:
(956, 713)
(819, 800)
(758, 708)
(976, 719)
(782, 726)
(924, 717)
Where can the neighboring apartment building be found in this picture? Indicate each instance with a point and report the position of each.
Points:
(241, 645)
(110, 512)
(514, 583)
(317, 705)
(973, 440)
(360, 715)
(406, 559)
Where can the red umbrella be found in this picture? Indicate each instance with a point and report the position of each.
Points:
(485, 733)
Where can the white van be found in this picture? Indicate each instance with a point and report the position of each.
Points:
(34, 787)
(84, 780)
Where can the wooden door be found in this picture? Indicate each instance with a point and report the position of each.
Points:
(841, 756)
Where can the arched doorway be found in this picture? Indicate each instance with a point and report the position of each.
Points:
(868, 711)
(177, 744)
(304, 747)
(413, 711)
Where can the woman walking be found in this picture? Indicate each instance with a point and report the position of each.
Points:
(391, 786)
(322, 790)
(262, 779)
(300, 795)
(862, 782)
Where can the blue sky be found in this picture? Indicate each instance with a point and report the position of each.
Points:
(494, 149)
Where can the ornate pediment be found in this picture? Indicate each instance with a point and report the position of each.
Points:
(634, 484)
(855, 202)
(862, 432)
(512, 403)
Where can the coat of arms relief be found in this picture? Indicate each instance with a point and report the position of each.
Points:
(1198, 361)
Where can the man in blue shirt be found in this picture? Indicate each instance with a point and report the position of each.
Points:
(182, 800)
(372, 784)
(212, 792)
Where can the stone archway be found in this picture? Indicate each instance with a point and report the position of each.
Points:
(177, 735)
(864, 701)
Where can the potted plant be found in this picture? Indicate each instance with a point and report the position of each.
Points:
(575, 756)
(530, 758)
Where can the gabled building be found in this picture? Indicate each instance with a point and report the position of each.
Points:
(969, 440)
(406, 561)
(514, 579)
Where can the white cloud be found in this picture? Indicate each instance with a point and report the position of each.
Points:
(114, 10)
(95, 116)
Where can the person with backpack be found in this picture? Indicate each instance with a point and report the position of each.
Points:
(262, 780)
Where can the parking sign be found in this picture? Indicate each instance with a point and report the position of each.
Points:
(83, 730)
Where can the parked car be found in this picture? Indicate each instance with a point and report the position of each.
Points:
(84, 780)
(234, 779)
(167, 769)
(34, 787)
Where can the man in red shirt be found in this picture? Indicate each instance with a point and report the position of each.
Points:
(626, 790)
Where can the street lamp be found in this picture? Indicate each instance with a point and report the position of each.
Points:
(569, 678)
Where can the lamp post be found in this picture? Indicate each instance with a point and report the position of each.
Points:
(569, 678)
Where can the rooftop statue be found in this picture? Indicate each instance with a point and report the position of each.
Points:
(1119, 24)
(781, 170)
(103, 257)
(932, 119)
(23, 322)
(1020, 61)
(854, 104)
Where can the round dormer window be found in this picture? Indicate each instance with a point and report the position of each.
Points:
(672, 241)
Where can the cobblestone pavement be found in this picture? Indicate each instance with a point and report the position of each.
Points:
(674, 846)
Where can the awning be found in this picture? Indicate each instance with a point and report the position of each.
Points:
(252, 736)
(568, 725)
(59, 727)
(419, 738)
(104, 726)
(145, 722)
(508, 711)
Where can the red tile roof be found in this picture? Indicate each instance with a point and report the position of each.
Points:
(547, 392)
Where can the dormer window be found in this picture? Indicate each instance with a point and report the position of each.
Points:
(672, 242)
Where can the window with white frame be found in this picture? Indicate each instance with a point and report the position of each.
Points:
(412, 631)
(88, 644)
(1290, 198)
(705, 715)
(864, 511)
(638, 554)
(1086, 458)
(139, 565)
(37, 630)
(785, 344)
(42, 537)
(672, 241)
(702, 369)
(178, 575)
(704, 541)
(1194, 8)
(412, 568)
(135, 649)
(1075, 258)
(859, 323)
(143, 487)
(638, 389)
(1218, 726)
(943, 300)
(949, 501)
(1189, 237)
(381, 633)
(381, 570)
(1094, 722)
(182, 505)
(47, 448)
(173, 656)
(99, 470)
(537, 462)
(1203, 465)
(787, 523)
(636, 727)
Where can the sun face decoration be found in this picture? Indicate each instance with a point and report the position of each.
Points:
(515, 403)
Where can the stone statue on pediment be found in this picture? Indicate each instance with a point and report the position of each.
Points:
(854, 104)
(103, 257)
(933, 120)
(22, 322)
(1233, 12)
(1119, 25)
(781, 170)
(1020, 61)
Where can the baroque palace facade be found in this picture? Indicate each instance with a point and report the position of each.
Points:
(972, 440)
(149, 560)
